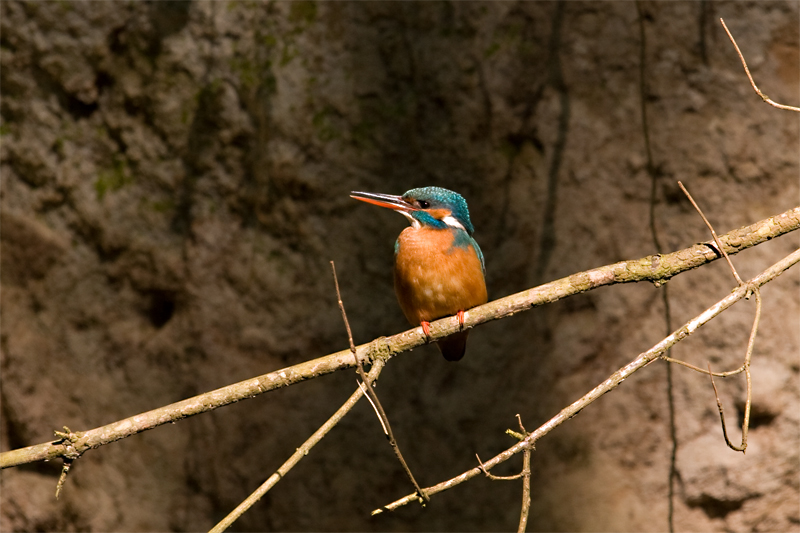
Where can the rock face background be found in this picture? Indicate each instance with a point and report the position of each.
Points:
(175, 180)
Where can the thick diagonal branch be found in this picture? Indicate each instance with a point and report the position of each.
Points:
(654, 268)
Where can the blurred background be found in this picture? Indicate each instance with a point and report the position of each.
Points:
(175, 180)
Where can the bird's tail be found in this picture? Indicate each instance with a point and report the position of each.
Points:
(454, 346)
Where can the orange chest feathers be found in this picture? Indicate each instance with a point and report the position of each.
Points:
(434, 276)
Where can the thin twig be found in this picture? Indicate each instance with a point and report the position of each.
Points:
(703, 370)
(375, 407)
(518, 436)
(753, 83)
(721, 411)
(63, 477)
(613, 381)
(746, 366)
(376, 403)
(67, 437)
(301, 452)
(713, 234)
(519, 421)
(526, 491)
(748, 394)
(526, 483)
(492, 476)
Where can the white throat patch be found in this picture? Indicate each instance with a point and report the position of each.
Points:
(453, 223)
(414, 222)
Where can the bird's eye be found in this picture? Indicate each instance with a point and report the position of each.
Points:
(424, 204)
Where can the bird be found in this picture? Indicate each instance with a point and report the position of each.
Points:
(439, 268)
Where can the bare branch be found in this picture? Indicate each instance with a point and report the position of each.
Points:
(614, 380)
(526, 491)
(713, 234)
(526, 483)
(721, 411)
(373, 396)
(486, 472)
(746, 365)
(518, 436)
(67, 437)
(753, 83)
(301, 452)
(375, 408)
(655, 268)
(703, 370)
(63, 477)
(749, 392)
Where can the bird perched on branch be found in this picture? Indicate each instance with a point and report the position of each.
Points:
(438, 266)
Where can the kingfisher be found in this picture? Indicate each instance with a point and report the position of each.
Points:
(438, 266)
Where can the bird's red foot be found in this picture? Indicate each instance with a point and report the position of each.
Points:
(426, 328)
(460, 316)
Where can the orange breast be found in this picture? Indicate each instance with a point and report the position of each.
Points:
(433, 278)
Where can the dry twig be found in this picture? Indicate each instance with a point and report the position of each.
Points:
(526, 482)
(67, 437)
(753, 83)
(63, 477)
(749, 392)
(301, 452)
(720, 248)
(526, 490)
(373, 396)
(746, 365)
(525, 474)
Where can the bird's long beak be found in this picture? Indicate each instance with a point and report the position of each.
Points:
(384, 200)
